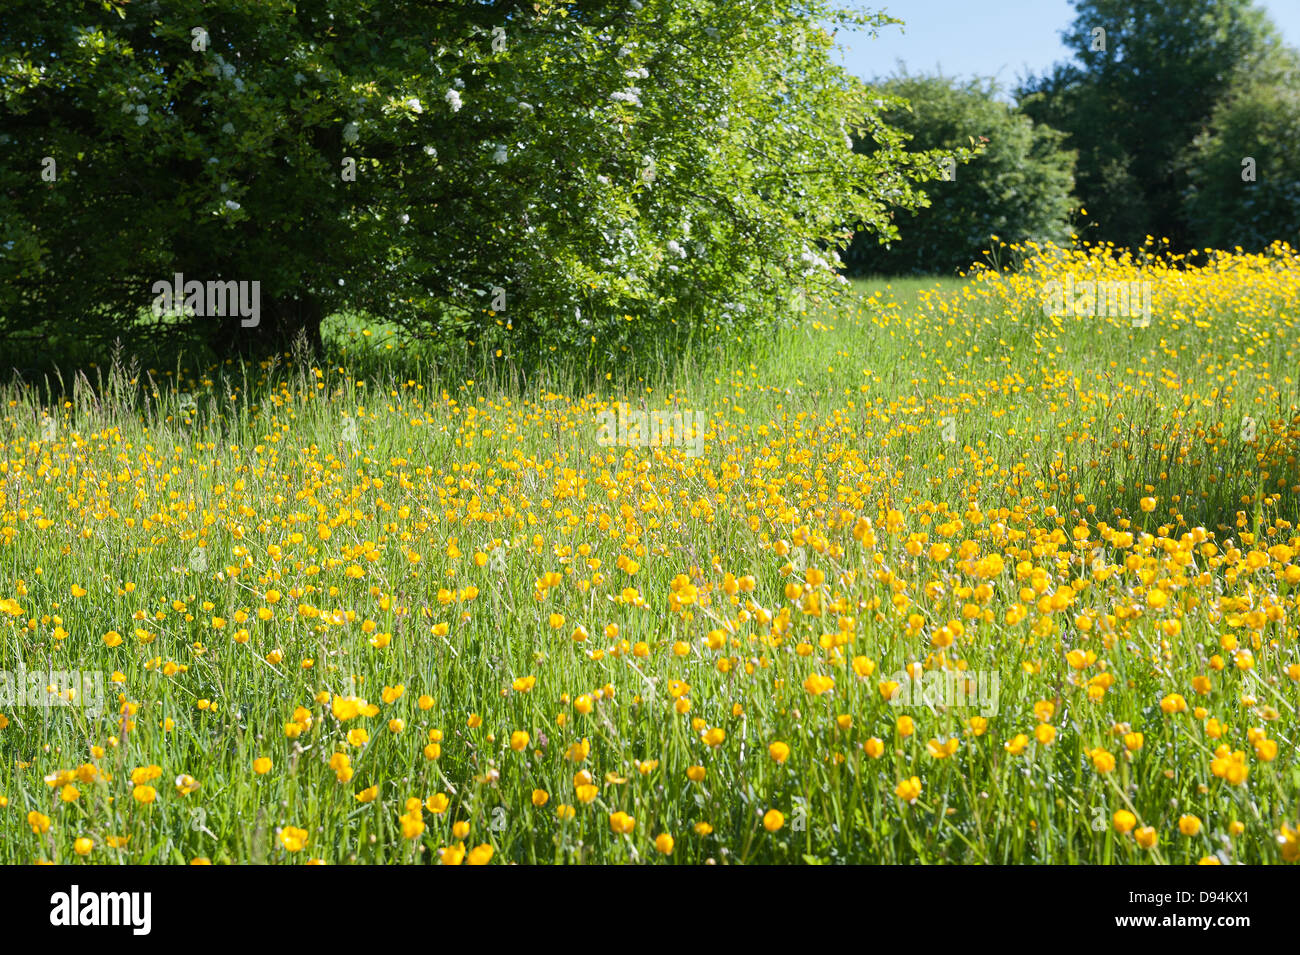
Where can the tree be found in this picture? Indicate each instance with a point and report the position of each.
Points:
(546, 174)
(1243, 170)
(1017, 187)
(1145, 79)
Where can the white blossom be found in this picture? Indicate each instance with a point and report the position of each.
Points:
(453, 100)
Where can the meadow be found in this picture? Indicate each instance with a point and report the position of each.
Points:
(949, 580)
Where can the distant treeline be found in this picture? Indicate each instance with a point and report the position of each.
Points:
(1176, 120)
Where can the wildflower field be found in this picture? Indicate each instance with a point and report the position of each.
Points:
(948, 577)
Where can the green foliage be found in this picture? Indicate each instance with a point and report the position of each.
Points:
(1134, 98)
(1016, 186)
(1229, 204)
(612, 171)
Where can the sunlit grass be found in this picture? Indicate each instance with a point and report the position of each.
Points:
(410, 616)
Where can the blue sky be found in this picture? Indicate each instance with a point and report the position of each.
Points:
(1007, 39)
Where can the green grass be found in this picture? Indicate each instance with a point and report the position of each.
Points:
(386, 499)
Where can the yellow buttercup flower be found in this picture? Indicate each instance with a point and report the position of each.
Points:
(451, 855)
(293, 839)
(909, 790)
(1173, 703)
(817, 684)
(1102, 760)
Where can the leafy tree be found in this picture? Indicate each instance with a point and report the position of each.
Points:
(1146, 76)
(544, 174)
(1016, 188)
(1243, 170)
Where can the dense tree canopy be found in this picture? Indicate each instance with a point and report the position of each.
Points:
(1243, 170)
(1017, 187)
(1144, 82)
(547, 173)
